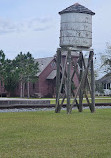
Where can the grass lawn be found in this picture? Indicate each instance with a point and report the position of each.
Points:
(97, 100)
(50, 135)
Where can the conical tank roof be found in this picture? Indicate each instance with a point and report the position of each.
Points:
(77, 8)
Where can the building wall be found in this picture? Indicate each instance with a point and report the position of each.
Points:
(34, 88)
(107, 88)
(44, 84)
(48, 87)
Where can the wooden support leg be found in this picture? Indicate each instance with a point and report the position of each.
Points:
(68, 81)
(58, 80)
(87, 99)
(92, 87)
(87, 80)
(80, 78)
(83, 80)
(75, 99)
(75, 66)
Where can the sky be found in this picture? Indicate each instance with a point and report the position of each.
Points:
(34, 25)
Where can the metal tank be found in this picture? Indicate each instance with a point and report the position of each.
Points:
(76, 27)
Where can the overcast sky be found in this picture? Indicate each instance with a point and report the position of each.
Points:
(34, 25)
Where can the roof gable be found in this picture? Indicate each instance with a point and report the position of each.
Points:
(43, 63)
(105, 79)
(77, 8)
(52, 75)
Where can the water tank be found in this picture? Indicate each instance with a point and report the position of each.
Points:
(76, 27)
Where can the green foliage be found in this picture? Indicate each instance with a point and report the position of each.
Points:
(99, 87)
(25, 66)
(22, 69)
(106, 59)
(2, 56)
(50, 135)
(10, 76)
(2, 63)
(27, 70)
(7, 73)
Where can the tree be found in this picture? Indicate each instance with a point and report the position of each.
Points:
(31, 70)
(27, 69)
(10, 76)
(2, 63)
(106, 59)
(7, 73)
(99, 88)
(23, 69)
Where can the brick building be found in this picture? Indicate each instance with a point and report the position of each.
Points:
(45, 86)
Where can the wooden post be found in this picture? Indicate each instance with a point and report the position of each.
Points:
(68, 81)
(62, 81)
(58, 79)
(80, 78)
(92, 86)
(83, 80)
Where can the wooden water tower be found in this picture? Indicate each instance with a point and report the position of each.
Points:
(75, 36)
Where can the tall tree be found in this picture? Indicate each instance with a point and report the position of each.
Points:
(10, 76)
(2, 63)
(31, 71)
(106, 59)
(19, 64)
(26, 69)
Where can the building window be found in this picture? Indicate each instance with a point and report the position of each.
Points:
(53, 65)
(108, 86)
(33, 85)
(104, 85)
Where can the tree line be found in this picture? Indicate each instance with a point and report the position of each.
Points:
(21, 70)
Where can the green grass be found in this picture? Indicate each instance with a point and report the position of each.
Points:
(50, 135)
(97, 100)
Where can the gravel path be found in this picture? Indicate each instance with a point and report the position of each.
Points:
(43, 109)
